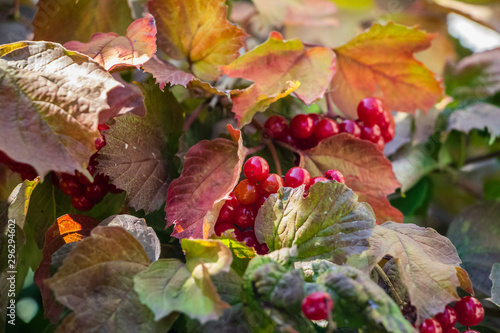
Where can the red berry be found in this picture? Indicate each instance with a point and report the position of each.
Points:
(301, 126)
(297, 176)
(248, 237)
(447, 318)
(113, 189)
(317, 305)
(317, 180)
(385, 120)
(369, 110)
(221, 227)
(96, 191)
(335, 175)
(226, 214)
(70, 186)
(468, 331)
(454, 330)
(308, 143)
(469, 311)
(430, 326)
(380, 144)
(371, 133)
(246, 193)
(271, 184)
(288, 140)
(349, 126)
(262, 249)
(82, 203)
(244, 216)
(232, 201)
(388, 134)
(99, 143)
(80, 177)
(325, 129)
(256, 169)
(276, 127)
(257, 204)
(315, 117)
(102, 127)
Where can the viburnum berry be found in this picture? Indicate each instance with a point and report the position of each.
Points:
(371, 133)
(317, 180)
(226, 214)
(468, 331)
(315, 117)
(271, 184)
(317, 305)
(447, 318)
(276, 127)
(335, 175)
(369, 110)
(257, 204)
(385, 120)
(388, 133)
(99, 143)
(69, 185)
(248, 237)
(454, 330)
(469, 311)
(262, 249)
(430, 326)
(297, 176)
(221, 227)
(301, 126)
(246, 192)
(244, 216)
(288, 140)
(82, 203)
(325, 128)
(96, 191)
(256, 169)
(349, 126)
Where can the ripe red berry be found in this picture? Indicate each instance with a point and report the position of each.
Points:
(388, 134)
(262, 249)
(288, 140)
(99, 143)
(113, 189)
(430, 326)
(335, 175)
(297, 176)
(325, 128)
(385, 120)
(80, 177)
(226, 214)
(82, 203)
(244, 216)
(248, 237)
(468, 331)
(246, 193)
(469, 311)
(256, 169)
(301, 126)
(96, 191)
(369, 110)
(69, 185)
(271, 184)
(102, 127)
(317, 180)
(371, 133)
(221, 227)
(276, 127)
(447, 318)
(317, 305)
(315, 117)
(349, 126)
(257, 204)
(454, 330)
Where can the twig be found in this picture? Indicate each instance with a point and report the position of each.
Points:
(481, 158)
(387, 281)
(194, 115)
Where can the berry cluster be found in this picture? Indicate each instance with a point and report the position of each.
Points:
(306, 130)
(25, 170)
(468, 312)
(241, 209)
(317, 305)
(84, 193)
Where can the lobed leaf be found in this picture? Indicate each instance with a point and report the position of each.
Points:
(380, 63)
(277, 68)
(476, 116)
(366, 170)
(52, 104)
(111, 50)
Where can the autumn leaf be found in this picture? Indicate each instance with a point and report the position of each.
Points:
(198, 32)
(277, 69)
(380, 63)
(366, 170)
(78, 20)
(65, 230)
(111, 50)
(122, 100)
(329, 223)
(211, 171)
(52, 99)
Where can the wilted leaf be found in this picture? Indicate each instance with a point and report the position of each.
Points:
(51, 104)
(475, 234)
(169, 285)
(211, 171)
(426, 260)
(65, 230)
(329, 223)
(78, 20)
(272, 66)
(495, 288)
(476, 116)
(136, 153)
(474, 77)
(96, 282)
(111, 50)
(198, 32)
(380, 63)
(367, 172)
(138, 228)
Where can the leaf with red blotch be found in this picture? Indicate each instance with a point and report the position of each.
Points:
(271, 66)
(211, 171)
(198, 32)
(111, 50)
(380, 63)
(366, 170)
(66, 229)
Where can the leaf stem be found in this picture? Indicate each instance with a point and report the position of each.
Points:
(387, 281)
(194, 115)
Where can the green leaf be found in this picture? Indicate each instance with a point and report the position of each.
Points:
(475, 233)
(329, 223)
(96, 282)
(416, 199)
(411, 164)
(476, 116)
(242, 254)
(169, 285)
(52, 99)
(138, 152)
(495, 288)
